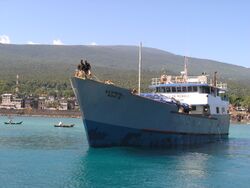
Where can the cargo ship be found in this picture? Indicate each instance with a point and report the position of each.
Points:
(180, 110)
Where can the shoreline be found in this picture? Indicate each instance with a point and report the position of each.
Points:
(240, 123)
(41, 113)
(68, 114)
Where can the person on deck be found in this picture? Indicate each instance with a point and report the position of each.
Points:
(80, 69)
(83, 69)
(87, 68)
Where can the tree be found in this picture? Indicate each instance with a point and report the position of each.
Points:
(235, 100)
(246, 102)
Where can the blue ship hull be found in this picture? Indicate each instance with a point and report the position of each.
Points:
(113, 116)
(105, 135)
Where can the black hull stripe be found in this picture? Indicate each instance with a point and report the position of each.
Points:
(181, 133)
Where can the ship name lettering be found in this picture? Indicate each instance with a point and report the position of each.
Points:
(179, 96)
(114, 94)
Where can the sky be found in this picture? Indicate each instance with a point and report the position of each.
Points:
(210, 29)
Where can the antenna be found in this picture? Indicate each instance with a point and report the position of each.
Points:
(17, 83)
(139, 77)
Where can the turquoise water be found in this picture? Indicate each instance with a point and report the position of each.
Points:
(36, 154)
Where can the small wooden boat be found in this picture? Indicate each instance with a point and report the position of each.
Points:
(13, 123)
(60, 124)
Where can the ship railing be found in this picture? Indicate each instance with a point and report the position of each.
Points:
(178, 79)
(82, 75)
(156, 81)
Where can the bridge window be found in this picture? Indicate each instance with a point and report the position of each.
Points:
(190, 89)
(178, 89)
(224, 96)
(168, 89)
(173, 89)
(195, 89)
(162, 89)
(205, 89)
(184, 89)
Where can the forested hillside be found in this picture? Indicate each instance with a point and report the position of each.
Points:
(47, 68)
(50, 59)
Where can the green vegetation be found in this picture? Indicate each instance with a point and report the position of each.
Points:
(38, 88)
(45, 70)
(239, 93)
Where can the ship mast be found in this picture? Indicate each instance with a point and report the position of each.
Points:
(139, 76)
(215, 79)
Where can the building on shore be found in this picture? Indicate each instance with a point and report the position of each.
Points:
(11, 102)
(31, 103)
(63, 105)
(41, 103)
(71, 104)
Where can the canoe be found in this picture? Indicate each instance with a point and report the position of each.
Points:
(65, 125)
(13, 123)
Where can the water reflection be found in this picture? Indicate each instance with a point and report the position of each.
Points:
(133, 167)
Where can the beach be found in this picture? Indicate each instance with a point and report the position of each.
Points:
(41, 113)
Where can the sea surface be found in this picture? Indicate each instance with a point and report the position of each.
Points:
(37, 154)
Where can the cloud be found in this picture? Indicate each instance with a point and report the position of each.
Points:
(30, 42)
(4, 39)
(93, 44)
(57, 42)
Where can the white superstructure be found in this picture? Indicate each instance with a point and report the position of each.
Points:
(203, 97)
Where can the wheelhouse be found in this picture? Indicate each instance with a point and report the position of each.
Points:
(202, 97)
(188, 88)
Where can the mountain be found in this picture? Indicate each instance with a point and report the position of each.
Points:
(38, 61)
